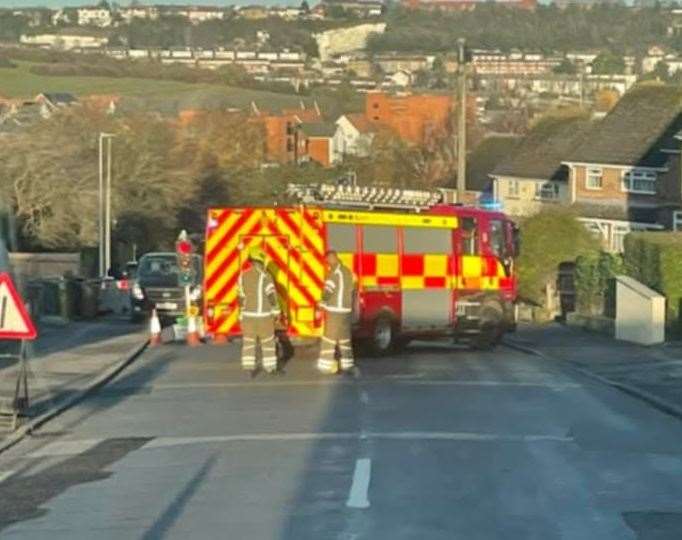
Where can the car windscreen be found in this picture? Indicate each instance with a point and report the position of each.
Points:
(162, 270)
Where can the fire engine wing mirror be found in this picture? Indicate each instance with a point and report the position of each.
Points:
(516, 240)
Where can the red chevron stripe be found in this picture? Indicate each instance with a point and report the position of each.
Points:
(292, 279)
(210, 281)
(297, 230)
(297, 256)
(229, 234)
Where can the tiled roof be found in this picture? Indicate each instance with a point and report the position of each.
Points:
(642, 122)
(540, 153)
(485, 157)
(319, 129)
(359, 120)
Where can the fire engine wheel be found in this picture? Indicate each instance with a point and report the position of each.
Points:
(491, 328)
(382, 340)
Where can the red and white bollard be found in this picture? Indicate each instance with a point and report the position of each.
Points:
(154, 330)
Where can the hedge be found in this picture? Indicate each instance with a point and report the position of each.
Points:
(655, 259)
(594, 283)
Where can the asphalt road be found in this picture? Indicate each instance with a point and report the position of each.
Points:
(435, 443)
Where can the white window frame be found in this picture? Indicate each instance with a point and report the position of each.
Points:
(543, 189)
(590, 174)
(677, 220)
(630, 177)
(513, 190)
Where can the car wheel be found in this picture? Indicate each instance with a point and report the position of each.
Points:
(491, 328)
(382, 340)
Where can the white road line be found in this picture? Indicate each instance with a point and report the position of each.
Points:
(357, 498)
(551, 386)
(336, 382)
(65, 448)
(4, 475)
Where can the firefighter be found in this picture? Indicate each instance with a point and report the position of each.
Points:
(259, 308)
(337, 302)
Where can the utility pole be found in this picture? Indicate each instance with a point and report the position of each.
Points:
(462, 124)
(104, 210)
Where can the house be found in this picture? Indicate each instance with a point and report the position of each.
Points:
(354, 135)
(99, 16)
(285, 141)
(415, 118)
(399, 79)
(254, 12)
(53, 101)
(129, 13)
(392, 63)
(463, 5)
(359, 8)
(319, 137)
(625, 175)
(199, 14)
(532, 176)
(63, 41)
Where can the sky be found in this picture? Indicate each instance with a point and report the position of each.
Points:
(64, 3)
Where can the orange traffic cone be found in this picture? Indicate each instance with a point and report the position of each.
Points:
(154, 330)
(192, 332)
(219, 339)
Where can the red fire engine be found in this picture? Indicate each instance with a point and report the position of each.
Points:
(423, 268)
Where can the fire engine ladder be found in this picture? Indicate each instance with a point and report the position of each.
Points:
(343, 195)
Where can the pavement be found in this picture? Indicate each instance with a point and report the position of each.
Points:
(437, 442)
(653, 373)
(66, 361)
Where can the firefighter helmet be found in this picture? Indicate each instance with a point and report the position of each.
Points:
(256, 254)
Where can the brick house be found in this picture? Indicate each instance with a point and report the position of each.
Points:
(415, 118)
(625, 174)
(285, 142)
(319, 142)
(532, 176)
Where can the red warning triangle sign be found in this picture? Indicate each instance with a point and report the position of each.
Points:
(15, 322)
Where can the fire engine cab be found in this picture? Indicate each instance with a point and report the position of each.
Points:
(423, 268)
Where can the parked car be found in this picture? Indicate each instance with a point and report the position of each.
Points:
(156, 286)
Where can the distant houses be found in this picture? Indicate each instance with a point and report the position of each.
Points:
(619, 174)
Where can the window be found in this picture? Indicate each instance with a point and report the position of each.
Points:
(498, 242)
(593, 178)
(469, 237)
(513, 190)
(547, 191)
(677, 220)
(427, 240)
(379, 239)
(638, 181)
(341, 237)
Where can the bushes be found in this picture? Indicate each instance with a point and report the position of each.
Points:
(548, 239)
(594, 283)
(655, 259)
(6, 63)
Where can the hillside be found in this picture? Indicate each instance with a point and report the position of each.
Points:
(19, 82)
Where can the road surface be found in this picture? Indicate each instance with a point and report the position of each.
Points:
(434, 443)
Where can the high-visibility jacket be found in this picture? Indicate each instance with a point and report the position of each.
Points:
(257, 294)
(338, 290)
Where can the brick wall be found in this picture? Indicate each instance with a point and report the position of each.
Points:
(319, 150)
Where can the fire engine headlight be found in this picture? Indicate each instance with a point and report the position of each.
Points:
(195, 294)
(137, 292)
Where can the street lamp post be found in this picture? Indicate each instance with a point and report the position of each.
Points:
(104, 216)
(461, 127)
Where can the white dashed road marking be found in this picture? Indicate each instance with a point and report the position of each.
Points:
(357, 498)
(65, 448)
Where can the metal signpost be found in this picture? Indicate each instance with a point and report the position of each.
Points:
(16, 324)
